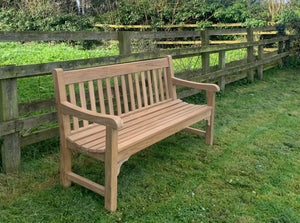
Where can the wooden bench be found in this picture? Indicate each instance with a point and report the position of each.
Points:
(112, 112)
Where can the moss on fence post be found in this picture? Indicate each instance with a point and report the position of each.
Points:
(222, 65)
(205, 56)
(124, 38)
(250, 53)
(10, 147)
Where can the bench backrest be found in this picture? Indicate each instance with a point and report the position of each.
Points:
(116, 89)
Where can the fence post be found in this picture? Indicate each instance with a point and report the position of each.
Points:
(205, 56)
(124, 38)
(287, 46)
(250, 53)
(280, 32)
(222, 81)
(260, 68)
(10, 148)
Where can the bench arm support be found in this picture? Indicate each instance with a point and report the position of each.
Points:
(112, 121)
(191, 84)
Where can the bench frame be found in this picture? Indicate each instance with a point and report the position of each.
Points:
(113, 124)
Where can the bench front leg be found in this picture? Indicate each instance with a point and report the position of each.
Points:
(111, 169)
(209, 136)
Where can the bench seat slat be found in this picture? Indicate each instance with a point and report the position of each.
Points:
(138, 126)
(145, 122)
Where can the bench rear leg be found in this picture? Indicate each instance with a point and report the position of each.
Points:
(111, 169)
(209, 136)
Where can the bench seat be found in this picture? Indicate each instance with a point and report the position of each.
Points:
(146, 125)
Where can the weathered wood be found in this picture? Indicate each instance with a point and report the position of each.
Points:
(37, 120)
(217, 32)
(234, 78)
(52, 36)
(287, 45)
(260, 68)
(44, 104)
(9, 127)
(222, 65)
(10, 148)
(250, 53)
(205, 56)
(243, 67)
(124, 38)
(166, 26)
(14, 126)
(39, 136)
(161, 35)
(265, 29)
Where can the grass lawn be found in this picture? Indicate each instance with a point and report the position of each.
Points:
(251, 174)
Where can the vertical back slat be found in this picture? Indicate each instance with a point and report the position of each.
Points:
(124, 92)
(170, 75)
(101, 96)
(73, 101)
(154, 75)
(109, 96)
(161, 86)
(144, 89)
(138, 90)
(131, 92)
(117, 95)
(92, 95)
(82, 100)
(166, 83)
(150, 87)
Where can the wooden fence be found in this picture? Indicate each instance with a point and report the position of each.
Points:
(11, 124)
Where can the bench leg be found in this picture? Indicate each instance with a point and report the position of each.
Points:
(65, 164)
(209, 136)
(111, 169)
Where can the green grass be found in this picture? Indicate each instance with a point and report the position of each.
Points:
(251, 174)
(194, 63)
(34, 53)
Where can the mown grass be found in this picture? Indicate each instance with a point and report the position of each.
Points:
(250, 174)
(33, 53)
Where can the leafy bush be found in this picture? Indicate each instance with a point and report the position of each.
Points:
(13, 20)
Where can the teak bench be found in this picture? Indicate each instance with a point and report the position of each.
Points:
(112, 112)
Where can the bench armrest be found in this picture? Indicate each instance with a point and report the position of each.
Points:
(108, 120)
(191, 84)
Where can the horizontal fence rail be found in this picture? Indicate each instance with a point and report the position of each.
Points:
(17, 123)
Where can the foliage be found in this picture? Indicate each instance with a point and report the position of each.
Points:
(54, 15)
(42, 16)
(250, 174)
